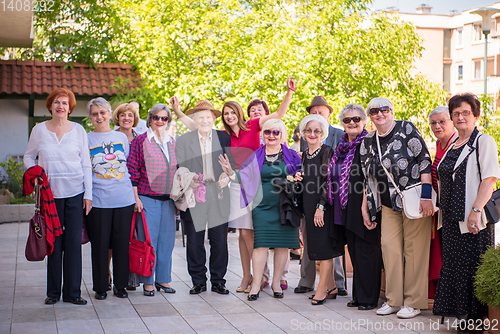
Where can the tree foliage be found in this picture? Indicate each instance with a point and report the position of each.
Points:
(243, 49)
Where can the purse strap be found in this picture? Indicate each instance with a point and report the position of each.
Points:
(389, 175)
(38, 204)
(477, 159)
(132, 228)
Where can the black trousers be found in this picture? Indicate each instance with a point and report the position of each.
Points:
(105, 227)
(66, 258)
(202, 214)
(366, 259)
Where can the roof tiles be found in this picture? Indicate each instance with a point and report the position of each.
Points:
(38, 77)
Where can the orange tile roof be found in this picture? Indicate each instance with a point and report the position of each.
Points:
(38, 77)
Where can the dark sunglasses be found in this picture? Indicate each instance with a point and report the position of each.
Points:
(276, 133)
(355, 119)
(384, 110)
(157, 118)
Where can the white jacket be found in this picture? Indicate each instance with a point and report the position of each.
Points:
(182, 194)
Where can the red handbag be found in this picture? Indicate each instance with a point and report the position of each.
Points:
(36, 245)
(141, 254)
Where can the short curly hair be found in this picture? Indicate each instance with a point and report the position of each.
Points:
(126, 107)
(61, 92)
(256, 102)
(469, 98)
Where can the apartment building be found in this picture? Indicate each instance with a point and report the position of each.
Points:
(454, 49)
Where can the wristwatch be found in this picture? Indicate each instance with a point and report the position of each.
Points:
(476, 209)
(320, 206)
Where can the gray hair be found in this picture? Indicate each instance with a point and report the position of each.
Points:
(317, 118)
(271, 123)
(99, 102)
(439, 110)
(354, 107)
(156, 109)
(379, 102)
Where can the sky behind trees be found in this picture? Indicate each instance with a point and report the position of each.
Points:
(438, 6)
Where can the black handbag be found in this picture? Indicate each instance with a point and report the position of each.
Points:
(492, 208)
(290, 202)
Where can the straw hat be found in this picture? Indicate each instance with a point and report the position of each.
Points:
(319, 101)
(203, 105)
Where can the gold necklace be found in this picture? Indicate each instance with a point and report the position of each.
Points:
(315, 153)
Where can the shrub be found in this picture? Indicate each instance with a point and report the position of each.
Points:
(487, 282)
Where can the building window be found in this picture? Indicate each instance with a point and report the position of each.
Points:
(477, 68)
(477, 32)
(460, 37)
(491, 67)
(460, 72)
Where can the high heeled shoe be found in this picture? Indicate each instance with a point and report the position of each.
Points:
(149, 293)
(278, 295)
(318, 301)
(251, 297)
(242, 289)
(165, 289)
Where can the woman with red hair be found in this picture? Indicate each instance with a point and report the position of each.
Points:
(62, 150)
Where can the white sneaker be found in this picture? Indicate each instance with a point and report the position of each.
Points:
(408, 312)
(386, 309)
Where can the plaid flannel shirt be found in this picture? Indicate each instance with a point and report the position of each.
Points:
(149, 169)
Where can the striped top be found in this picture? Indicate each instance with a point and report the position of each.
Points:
(439, 155)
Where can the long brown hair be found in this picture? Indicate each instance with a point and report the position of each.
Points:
(236, 107)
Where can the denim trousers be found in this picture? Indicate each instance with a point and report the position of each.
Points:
(160, 220)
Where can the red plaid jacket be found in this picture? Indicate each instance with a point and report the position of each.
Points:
(149, 170)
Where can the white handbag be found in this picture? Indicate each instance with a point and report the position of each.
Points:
(411, 195)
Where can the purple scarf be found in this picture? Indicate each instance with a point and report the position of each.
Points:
(344, 146)
(250, 171)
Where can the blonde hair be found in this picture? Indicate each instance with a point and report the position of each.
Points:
(316, 118)
(275, 123)
(126, 107)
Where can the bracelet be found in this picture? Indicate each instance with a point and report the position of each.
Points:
(426, 191)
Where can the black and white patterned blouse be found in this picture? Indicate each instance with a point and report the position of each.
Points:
(404, 154)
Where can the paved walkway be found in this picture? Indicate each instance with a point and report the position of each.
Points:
(22, 292)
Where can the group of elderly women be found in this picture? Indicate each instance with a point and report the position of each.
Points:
(105, 175)
(352, 194)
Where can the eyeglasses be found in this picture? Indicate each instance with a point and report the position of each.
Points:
(443, 122)
(384, 110)
(316, 132)
(157, 118)
(276, 133)
(463, 113)
(355, 119)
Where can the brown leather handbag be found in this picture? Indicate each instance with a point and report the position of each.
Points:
(36, 245)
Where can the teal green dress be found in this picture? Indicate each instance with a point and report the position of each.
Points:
(268, 232)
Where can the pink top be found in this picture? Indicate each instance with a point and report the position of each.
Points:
(246, 143)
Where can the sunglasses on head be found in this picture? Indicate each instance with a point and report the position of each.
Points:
(274, 132)
(355, 119)
(157, 118)
(384, 110)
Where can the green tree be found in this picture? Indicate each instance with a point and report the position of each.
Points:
(243, 49)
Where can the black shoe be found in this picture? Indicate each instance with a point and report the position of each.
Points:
(100, 295)
(149, 293)
(197, 288)
(76, 301)
(302, 289)
(353, 303)
(366, 307)
(120, 293)
(220, 288)
(294, 256)
(318, 301)
(342, 292)
(278, 295)
(131, 288)
(165, 289)
(51, 300)
(253, 297)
